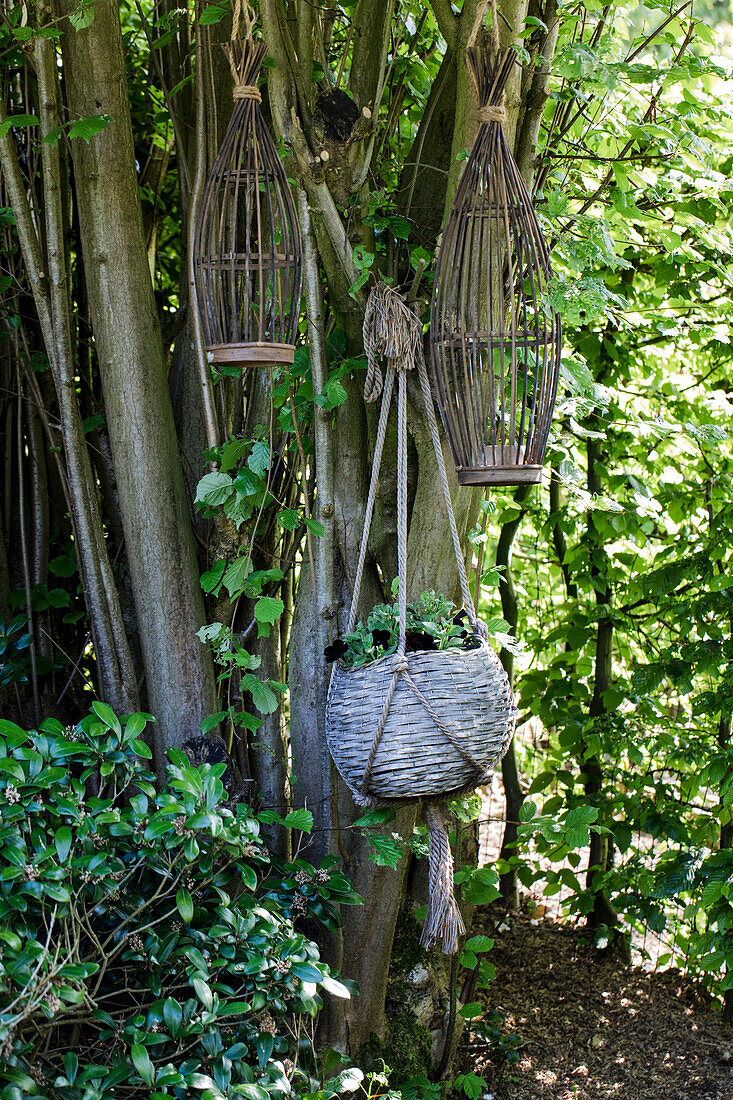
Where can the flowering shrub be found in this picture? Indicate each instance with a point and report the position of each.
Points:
(146, 947)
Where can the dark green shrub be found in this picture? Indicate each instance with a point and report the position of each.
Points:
(141, 954)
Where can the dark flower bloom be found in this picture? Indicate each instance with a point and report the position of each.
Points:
(381, 637)
(338, 649)
(473, 641)
(415, 642)
(459, 619)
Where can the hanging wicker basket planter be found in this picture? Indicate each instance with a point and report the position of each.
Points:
(247, 251)
(417, 757)
(425, 725)
(495, 342)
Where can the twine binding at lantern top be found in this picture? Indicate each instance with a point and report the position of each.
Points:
(247, 250)
(426, 725)
(495, 341)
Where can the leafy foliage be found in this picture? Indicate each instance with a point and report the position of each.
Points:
(147, 942)
(433, 622)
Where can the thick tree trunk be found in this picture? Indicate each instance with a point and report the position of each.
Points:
(155, 514)
(47, 273)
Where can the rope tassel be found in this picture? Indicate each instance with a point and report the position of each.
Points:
(443, 921)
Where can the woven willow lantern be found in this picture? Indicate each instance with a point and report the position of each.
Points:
(495, 343)
(247, 252)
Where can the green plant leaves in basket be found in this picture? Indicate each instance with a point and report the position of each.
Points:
(433, 623)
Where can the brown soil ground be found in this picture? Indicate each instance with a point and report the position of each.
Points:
(588, 1028)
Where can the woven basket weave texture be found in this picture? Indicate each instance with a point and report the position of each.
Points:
(469, 691)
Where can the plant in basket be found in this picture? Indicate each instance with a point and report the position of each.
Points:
(433, 623)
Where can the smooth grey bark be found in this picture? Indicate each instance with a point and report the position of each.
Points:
(155, 514)
(47, 273)
(313, 620)
(371, 33)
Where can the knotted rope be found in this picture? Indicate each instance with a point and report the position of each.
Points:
(392, 331)
(245, 56)
(491, 98)
(492, 113)
(247, 91)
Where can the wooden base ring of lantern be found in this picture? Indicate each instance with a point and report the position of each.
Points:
(427, 725)
(248, 256)
(494, 340)
(255, 354)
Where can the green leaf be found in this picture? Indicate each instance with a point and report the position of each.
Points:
(260, 458)
(104, 712)
(265, 1046)
(172, 1016)
(16, 120)
(213, 720)
(386, 851)
(203, 992)
(233, 450)
(13, 768)
(86, 128)
(63, 842)
(338, 989)
(71, 1066)
(213, 489)
(14, 733)
(263, 697)
(268, 610)
(477, 944)
(299, 819)
(471, 1011)
(306, 972)
(358, 284)
(212, 13)
(314, 526)
(135, 725)
(470, 1084)
(236, 575)
(212, 577)
(184, 903)
(527, 811)
(142, 1063)
(57, 891)
(252, 1092)
(83, 17)
(249, 877)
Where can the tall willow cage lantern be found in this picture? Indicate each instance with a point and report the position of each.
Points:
(247, 252)
(495, 342)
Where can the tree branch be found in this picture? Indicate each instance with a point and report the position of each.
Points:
(447, 21)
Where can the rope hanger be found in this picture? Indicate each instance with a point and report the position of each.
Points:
(393, 331)
(487, 112)
(244, 55)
